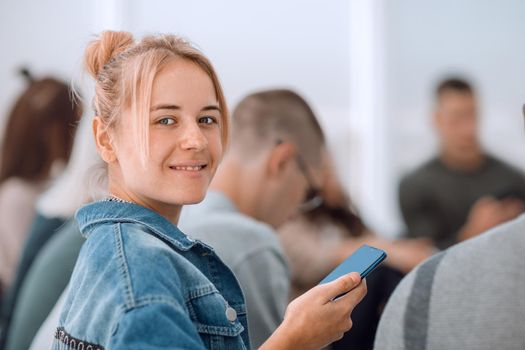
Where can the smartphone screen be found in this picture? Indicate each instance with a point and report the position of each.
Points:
(364, 260)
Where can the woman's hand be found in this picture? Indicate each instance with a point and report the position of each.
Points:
(314, 319)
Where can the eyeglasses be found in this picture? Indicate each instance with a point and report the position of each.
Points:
(313, 197)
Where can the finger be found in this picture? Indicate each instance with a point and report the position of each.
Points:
(342, 285)
(347, 324)
(352, 298)
(513, 204)
(485, 201)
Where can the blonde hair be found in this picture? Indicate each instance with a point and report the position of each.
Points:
(124, 71)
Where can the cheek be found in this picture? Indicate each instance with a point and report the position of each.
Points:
(450, 132)
(125, 155)
(160, 149)
(295, 195)
(215, 147)
(129, 160)
(288, 201)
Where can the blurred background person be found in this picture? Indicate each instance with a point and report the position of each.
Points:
(36, 146)
(464, 190)
(468, 296)
(53, 251)
(325, 233)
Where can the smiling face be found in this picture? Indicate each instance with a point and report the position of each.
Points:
(184, 143)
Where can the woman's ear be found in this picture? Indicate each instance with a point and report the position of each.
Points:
(280, 157)
(103, 141)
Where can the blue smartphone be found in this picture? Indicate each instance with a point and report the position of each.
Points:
(364, 260)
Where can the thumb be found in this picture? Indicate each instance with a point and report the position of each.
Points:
(342, 285)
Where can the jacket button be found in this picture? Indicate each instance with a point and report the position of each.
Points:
(231, 314)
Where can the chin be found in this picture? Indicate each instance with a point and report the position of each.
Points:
(193, 198)
(192, 202)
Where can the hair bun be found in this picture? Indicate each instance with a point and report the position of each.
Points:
(101, 50)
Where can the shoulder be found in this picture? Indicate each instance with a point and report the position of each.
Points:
(140, 263)
(230, 227)
(498, 250)
(237, 238)
(476, 278)
(422, 174)
(217, 218)
(122, 267)
(501, 165)
(154, 265)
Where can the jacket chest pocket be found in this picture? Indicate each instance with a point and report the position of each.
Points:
(217, 322)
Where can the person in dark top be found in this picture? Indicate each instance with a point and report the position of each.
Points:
(463, 191)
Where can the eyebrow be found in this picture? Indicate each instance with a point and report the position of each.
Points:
(175, 107)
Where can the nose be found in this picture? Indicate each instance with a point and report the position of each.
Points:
(469, 129)
(193, 138)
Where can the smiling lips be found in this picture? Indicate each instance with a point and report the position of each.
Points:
(189, 167)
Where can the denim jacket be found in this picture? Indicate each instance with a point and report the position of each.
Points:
(140, 283)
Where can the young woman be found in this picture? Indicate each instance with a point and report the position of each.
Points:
(161, 126)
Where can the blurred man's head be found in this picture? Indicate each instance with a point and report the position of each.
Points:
(456, 120)
(275, 155)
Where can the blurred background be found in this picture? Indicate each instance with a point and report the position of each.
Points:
(368, 67)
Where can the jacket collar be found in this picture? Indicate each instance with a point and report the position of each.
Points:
(101, 212)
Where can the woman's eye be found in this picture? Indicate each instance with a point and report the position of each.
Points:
(207, 120)
(167, 121)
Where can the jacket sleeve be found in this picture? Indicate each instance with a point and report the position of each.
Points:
(159, 324)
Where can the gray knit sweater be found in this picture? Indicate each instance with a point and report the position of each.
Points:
(471, 296)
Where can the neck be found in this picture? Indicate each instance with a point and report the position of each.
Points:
(463, 163)
(169, 211)
(230, 179)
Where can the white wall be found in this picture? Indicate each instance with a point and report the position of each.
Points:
(367, 66)
(47, 36)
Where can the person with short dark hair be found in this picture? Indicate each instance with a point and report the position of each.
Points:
(463, 190)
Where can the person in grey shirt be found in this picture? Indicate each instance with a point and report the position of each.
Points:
(271, 169)
(467, 297)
